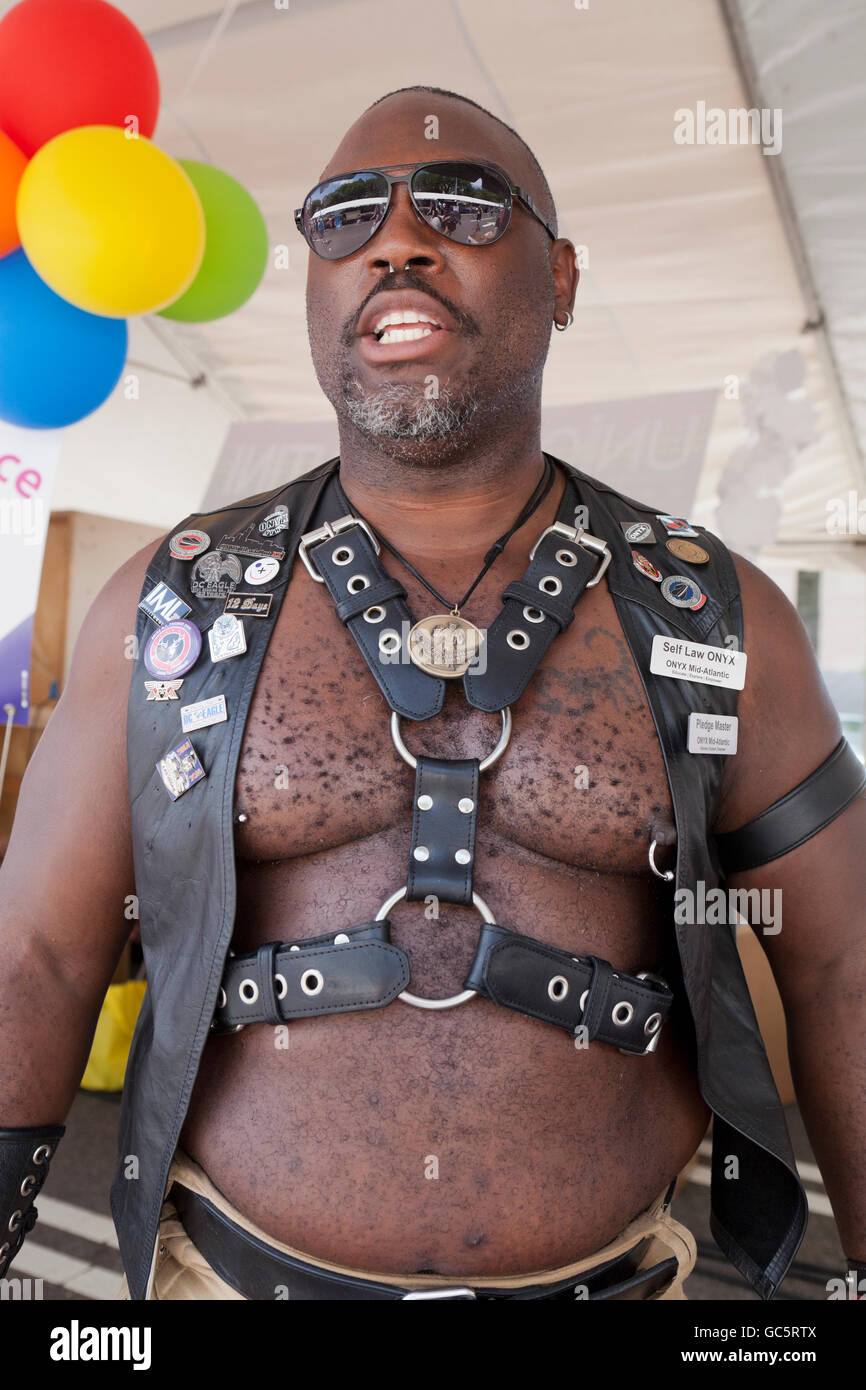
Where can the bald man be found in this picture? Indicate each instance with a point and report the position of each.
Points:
(423, 1016)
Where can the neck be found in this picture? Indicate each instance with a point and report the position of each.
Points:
(453, 511)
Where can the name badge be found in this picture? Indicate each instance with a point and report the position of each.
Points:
(203, 713)
(693, 661)
(712, 733)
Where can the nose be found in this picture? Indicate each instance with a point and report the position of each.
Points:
(404, 240)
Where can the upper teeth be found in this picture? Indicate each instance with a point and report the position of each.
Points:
(403, 316)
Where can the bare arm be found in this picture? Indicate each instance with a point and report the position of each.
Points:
(787, 728)
(68, 870)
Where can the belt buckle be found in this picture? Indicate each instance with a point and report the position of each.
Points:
(582, 538)
(457, 1292)
(327, 533)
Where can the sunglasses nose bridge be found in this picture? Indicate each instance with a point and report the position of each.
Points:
(403, 236)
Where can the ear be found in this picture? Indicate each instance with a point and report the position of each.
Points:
(563, 265)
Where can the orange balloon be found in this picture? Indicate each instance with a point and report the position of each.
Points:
(12, 163)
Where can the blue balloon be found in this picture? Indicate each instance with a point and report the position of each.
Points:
(57, 363)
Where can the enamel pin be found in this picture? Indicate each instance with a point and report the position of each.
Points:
(227, 637)
(173, 649)
(163, 690)
(180, 769)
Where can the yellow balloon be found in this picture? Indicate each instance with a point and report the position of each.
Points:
(112, 224)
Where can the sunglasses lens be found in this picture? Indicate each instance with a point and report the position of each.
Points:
(465, 202)
(340, 215)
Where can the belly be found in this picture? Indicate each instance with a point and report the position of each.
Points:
(471, 1141)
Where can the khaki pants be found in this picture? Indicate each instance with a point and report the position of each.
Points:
(182, 1273)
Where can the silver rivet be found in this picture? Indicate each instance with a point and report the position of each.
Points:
(341, 939)
(357, 583)
(344, 555)
(242, 816)
(421, 852)
(518, 639)
(533, 615)
(558, 988)
(374, 614)
(622, 1014)
(312, 982)
(463, 856)
(566, 557)
(466, 805)
(248, 991)
(550, 585)
(425, 803)
(294, 948)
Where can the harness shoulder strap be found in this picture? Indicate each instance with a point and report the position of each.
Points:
(797, 816)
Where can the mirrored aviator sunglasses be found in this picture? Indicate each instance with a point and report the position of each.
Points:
(468, 203)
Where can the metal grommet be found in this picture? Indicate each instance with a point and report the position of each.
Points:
(487, 762)
(13, 1224)
(375, 614)
(463, 856)
(667, 876)
(357, 583)
(653, 1024)
(389, 642)
(248, 991)
(566, 557)
(221, 998)
(421, 853)
(549, 584)
(466, 805)
(532, 614)
(622, 1014)
(341, 939)
(518, 639)
(42, 1153)
(4, 1249)
(312, 981)
(582, 1000)
(281, 980)
(344, 555)
(425, 803)
(558, 988)
(28, 1185)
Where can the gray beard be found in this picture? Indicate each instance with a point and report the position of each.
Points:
(400, 410)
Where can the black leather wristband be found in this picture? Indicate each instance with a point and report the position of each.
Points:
(24, 1158)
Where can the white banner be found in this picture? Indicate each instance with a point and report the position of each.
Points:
(28, 465)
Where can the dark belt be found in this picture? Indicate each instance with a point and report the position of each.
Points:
(258, 1271)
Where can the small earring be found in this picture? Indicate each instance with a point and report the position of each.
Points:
(561, 327)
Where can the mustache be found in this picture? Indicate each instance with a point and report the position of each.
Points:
(406, 280)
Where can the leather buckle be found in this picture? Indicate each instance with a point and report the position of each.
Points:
(578, 536)
(457, 1292)
(327, 533)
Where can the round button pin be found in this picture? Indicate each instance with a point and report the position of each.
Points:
(173, 649)
(263, 570)
(681, 591)
(186, 545)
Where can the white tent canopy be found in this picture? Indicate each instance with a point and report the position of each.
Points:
(708, 267)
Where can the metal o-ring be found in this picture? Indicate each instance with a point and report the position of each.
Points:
(280, 980)
(487, 762)
(549, 584)
(357, 583)
(374, 614)
(558, 988)
(566, 557)
(244, 989)
(619, 1017)
(416, 1000)
(518, 639)
(652, 1024)
(532, 614)
(42, 1153)
(312, 981)
(347, 554)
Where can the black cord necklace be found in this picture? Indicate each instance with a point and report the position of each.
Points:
(540, 492)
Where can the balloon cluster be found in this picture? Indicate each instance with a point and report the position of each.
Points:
(98, 224)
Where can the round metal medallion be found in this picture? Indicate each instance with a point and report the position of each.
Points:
(688, 551)
(444, 645)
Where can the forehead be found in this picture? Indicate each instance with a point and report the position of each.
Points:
(397, 133)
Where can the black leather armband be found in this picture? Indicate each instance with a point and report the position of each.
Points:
(797, 816)
(24, 1158)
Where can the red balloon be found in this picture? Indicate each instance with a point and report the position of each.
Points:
(66, 63)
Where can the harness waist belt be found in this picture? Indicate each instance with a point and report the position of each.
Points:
(261, 1272)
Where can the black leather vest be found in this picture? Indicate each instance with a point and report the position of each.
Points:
(185, 881)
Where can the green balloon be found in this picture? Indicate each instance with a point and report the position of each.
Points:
(235, 252)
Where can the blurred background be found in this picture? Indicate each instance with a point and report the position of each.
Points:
(716, 366)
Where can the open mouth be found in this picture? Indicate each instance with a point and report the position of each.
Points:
(404, 326)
